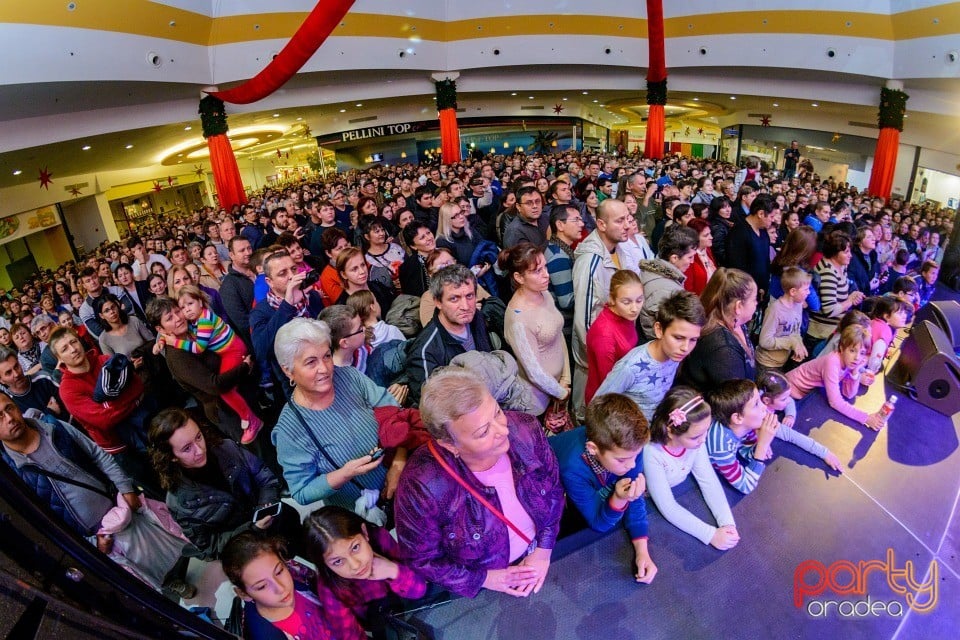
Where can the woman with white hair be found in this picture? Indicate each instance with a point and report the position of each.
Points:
(327, 430)
(453, 529)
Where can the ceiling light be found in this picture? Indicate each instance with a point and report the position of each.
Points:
(359, 104)
(276, 115)
(530, 97)
(17, 172)
(586, 93)
(514, 93)
(343, 110)
(596, 101)
(129, 146)
(696, 99)
(299, 119)
(776, 104)
(85, 147)
(733, 97)
(814, 104)
(565, 99)
(187, 128)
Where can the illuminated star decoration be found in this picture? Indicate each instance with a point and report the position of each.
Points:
(836, 136)
(558, 108)
(198, 170)
(75, 192)
(764, 121)
(700, 131)
(157, 186)
(306, 131)
(46, 178)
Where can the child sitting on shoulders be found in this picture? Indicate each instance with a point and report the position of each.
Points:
(677, 432)
(614, 332)
(780, 333)
(276, 607)
(365, 304)
(646, 373)
(838, 372)
(602, 472)
(358, 564)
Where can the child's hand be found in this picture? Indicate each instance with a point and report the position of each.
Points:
(833, 461)
(627, 490)
(646, 570)
(768, 429)
(725, 538)
(105, 543)
(399, 392)
(875, 421)
(762, 453)
(382, 569)
(799, 351)
(788, 421)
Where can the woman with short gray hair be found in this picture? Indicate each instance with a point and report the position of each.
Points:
(327, 430)
(453, 535)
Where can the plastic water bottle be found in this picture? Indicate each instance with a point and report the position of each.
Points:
(887, 409)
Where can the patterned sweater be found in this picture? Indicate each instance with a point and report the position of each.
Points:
(211, 333)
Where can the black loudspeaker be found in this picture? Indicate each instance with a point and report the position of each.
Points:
(946, 315)
(928, 369)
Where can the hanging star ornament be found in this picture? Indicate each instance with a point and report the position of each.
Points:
(764, 121)
(306, 131)
(198, 170)
(836, 136)
(700, 131)
(46, 178)
(157, 186)
(558, 108)
(75, 192)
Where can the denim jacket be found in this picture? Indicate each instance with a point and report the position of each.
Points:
(448, 536)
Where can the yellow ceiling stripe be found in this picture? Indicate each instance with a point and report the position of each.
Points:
(149, 19)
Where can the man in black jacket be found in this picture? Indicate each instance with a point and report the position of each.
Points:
(236, 289)
(456, 326)
(748, 243)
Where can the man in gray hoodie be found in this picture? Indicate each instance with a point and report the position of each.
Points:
(596, 259)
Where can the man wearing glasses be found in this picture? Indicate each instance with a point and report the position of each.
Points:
(530, 225)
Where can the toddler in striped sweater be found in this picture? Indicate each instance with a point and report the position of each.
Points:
(211, 333)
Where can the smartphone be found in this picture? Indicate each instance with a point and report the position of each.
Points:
(376, 454)
(268, 510)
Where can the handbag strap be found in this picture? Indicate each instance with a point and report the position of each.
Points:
(56, 476)
(476, 494)
(316, 442)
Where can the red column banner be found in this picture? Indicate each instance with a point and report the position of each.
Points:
(323, 19)
(226, 174)
(884, 162)
(653, 147)
(657, 66)
(449, 136)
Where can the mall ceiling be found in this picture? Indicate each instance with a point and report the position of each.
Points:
(83, 82)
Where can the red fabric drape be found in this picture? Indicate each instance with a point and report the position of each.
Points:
(653, 148)
(884, 162)
(226, 175)
(449, 136)
(657, 69)
(304, 43)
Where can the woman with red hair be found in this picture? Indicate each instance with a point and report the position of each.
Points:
(703, 266)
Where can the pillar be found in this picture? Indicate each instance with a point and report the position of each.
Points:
(446, 84)
(893, 106)
(656, 81)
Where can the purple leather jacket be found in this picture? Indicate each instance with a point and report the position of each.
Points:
(451, 539)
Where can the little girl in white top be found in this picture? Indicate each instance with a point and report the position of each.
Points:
(677, 433)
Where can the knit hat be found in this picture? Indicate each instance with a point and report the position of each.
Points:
(113, 378)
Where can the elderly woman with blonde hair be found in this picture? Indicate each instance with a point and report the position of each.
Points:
(452, 528)
(327, 432)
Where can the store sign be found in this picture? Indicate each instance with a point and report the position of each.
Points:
(380, 131)
(23, 224)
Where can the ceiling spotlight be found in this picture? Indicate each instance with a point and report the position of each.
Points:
(596, 101)
(343, 110)
(514, 93)
(530, 97)
(776, 104)
(276, 115)
(696, 99)
(85, 147)
(187, 128)
(733, 97)
(129, 146)
(586, 93)
(814, 104)
(359, 104)
(299, 119)
(565, 99)
(17, 172)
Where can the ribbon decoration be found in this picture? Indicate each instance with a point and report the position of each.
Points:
(656, 81)
(312, 33)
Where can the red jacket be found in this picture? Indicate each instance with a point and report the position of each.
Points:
(696, 274)
(610, 338)
(98, 419)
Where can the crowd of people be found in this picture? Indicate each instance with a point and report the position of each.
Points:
(457, 352)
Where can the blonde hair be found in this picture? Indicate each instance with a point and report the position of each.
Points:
(622, 278)
(447, 395)
(444, 216)
(193, 291)
(852, 336)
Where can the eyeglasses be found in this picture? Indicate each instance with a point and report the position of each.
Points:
(357, 332)
(459, 214)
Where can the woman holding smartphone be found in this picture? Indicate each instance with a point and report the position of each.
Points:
(216, 488)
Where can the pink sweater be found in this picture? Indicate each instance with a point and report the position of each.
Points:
(828, 372)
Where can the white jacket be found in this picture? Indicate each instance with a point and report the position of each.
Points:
(593, 267)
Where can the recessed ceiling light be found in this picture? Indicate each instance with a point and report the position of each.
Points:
(179, 155)
(129, 146)
(343, 110)
(814, 104)
(596, 101)
(276, 115)
(733, 97)
(187, 128)
(17, 172)
(359, 104)
(696, 99)
(530, 97)
(299, 119)
(85, 147)
(776, 104)
(514, 93)
(586, 93)
(565, 99)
